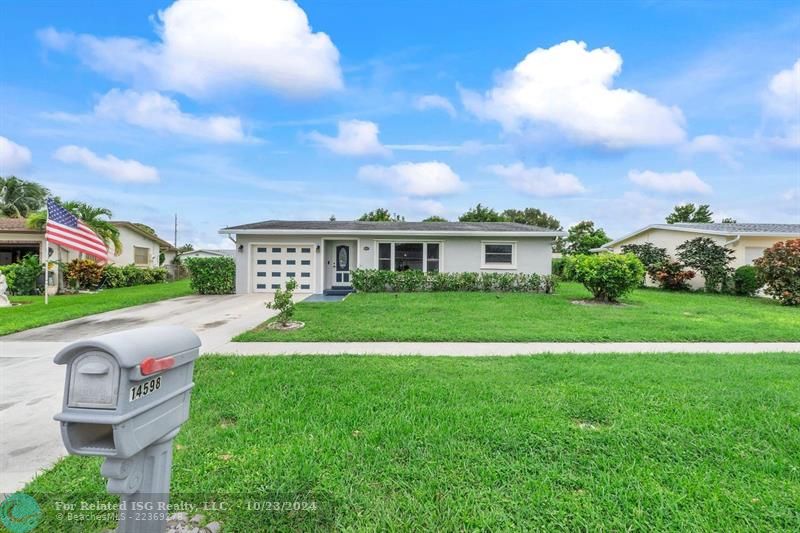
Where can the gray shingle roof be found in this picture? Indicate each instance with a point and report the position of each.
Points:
(350, 225)
(743, 228)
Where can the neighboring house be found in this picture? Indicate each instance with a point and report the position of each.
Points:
(207, 253)
(748, 241)
(320, 255)
(140, 247)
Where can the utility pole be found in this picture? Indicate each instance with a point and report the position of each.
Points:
(176, 230)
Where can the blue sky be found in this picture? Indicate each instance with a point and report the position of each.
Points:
(234, 112)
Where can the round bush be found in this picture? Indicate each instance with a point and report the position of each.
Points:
(745, 281)
(607, 276)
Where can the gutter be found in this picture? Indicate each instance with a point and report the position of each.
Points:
(494, 234)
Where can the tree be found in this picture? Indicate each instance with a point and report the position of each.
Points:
(690, 213)
(20, 198)
(188, 247)
(648, 253)
(532, 217)
(435, 218)
(779, 268)
(381, 215)
(479, 213)
(607, 276)
(710, 258)
(97, 218)
(583, 237)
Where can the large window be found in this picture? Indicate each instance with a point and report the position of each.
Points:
(402, 256)
(141, 256)
(499, 255)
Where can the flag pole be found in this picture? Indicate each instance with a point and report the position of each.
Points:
(46, 250)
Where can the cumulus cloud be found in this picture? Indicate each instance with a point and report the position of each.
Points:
(669, 182)
(792, 195)
(570, 89)
(431, 178)
(722, 147)
(13, 156)
(154, 111)
(539, 181)
(355, 137)
(435, 101)
(121, 170)
(783, 93)
(209, 46)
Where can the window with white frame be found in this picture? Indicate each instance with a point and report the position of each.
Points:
(400, 256)
(499, 255)
(141, 256)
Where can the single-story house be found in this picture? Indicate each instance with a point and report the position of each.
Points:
(139, 247)
(747, 241)
(207, 253)
(321, 254)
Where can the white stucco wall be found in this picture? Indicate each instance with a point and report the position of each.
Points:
(129, 240)
(457, 254)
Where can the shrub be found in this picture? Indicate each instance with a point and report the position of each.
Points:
(672, 276)
(22, 277)
(607, 276)
(114, 277)
(779, 268)
(282, 302)
(649, 254)
(710, 258)
(130, 275)
(745, 281)
(367, 280)
(212, 275)
(557, 266)
(84, 273)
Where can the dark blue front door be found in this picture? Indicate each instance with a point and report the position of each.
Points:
(342, 265)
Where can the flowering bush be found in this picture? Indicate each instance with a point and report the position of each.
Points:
(779, 268)
(670, 275)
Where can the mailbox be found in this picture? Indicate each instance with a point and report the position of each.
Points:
(126, 396)
(126, 390)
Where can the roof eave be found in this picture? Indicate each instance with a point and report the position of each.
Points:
(672, 227)
(233, 231)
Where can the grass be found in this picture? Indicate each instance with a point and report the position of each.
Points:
(33, 313)
(589, 443)
(648, 315)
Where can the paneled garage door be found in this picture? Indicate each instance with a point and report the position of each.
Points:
(275, 264)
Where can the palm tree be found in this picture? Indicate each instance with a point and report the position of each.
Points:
(94, 217)
(20, 198)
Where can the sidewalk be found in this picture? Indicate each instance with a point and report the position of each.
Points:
(497, 348)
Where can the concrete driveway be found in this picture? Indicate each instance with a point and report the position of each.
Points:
(31, 385)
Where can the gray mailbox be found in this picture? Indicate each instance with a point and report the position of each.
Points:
(125, 397)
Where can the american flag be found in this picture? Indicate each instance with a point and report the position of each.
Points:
(67, 230)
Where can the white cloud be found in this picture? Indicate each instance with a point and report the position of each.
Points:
(792, 195)
(13, 156)
(539, 181)
(355, 137)
(570, 88)
(435, 101)
(670, 182)
(467, 147)
(430, 178)
(209, 46)
(121, 170)
(722, 147)
(154, 111)
(783, 94)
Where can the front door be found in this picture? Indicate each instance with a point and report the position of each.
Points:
(342, 267)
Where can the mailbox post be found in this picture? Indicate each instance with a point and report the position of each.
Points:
(126, 396)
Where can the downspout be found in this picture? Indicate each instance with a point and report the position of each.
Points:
(732, 241)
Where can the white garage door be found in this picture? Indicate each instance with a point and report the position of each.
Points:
(275, 264)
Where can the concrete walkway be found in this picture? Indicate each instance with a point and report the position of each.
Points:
(32, 386)
(497, 348)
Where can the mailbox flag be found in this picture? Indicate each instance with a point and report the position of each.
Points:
(65, 229)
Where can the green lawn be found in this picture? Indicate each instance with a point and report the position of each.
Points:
(648, 315)
(575, 443)
(66, 307)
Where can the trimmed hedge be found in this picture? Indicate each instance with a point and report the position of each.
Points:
(129, 275)
(212, 275)
(370, 280)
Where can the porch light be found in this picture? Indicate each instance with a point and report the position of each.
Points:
(241, 248)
